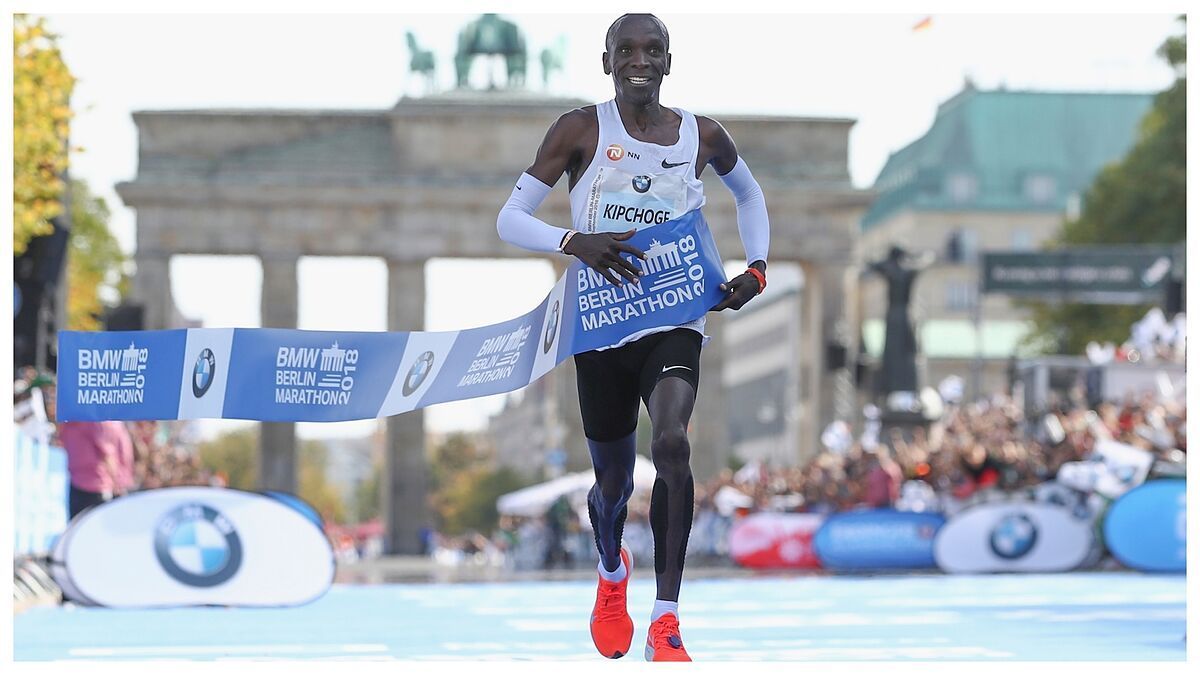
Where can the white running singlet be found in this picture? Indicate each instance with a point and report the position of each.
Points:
(631, 184)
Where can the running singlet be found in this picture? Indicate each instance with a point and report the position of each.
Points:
(632, 184)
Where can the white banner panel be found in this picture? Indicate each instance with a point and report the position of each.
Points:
(424, 356)
(1014, 537)
(546, 356)
(206, 360)
(58, 570)
(196, 546)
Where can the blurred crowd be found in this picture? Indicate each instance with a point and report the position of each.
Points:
(974, 451)
(107, 459)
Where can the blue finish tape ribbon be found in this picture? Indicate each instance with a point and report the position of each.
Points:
(282, 375)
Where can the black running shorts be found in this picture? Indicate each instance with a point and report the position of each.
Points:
(612, 381)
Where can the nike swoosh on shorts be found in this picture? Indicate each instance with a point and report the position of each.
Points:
(666, 368)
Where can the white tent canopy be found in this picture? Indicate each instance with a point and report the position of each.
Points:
(536, 499)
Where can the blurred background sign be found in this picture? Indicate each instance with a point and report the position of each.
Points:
(1108, 274)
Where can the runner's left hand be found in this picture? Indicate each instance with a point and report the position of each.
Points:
(740, 289)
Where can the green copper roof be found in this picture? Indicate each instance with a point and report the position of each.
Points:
(1008, 150)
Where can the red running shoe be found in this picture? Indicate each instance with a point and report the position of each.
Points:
(612, 629)
(663, 642)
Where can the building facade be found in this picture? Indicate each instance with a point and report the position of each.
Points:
(997, 171)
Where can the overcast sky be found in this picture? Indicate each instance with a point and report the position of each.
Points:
(875, 69)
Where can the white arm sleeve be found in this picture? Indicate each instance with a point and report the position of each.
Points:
(753, 225)
(516, 224)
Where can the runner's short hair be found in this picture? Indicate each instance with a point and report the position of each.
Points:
(612, 30)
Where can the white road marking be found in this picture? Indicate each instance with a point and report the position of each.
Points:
(766, 621)
(167, 650)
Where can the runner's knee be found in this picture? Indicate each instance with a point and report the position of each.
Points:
(670, 450)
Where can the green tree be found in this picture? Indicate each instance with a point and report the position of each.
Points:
(466, 484)
(469, 502)
(314, 487)
(95, 262)
(42, 86)
(1141, 199)
(234, 454)
(366, 496)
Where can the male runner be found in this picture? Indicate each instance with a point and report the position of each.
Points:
(648, 157)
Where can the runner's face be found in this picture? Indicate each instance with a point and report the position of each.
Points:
(637, 60)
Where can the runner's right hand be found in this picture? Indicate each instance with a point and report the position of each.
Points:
(602, 251)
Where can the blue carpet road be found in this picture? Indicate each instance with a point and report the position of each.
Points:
(1079, 616)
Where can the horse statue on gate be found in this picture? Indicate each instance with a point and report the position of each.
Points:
(552, 59)
(491, 35)
(421, 62)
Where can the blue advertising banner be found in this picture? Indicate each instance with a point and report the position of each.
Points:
(321, 376)
(1146, 528)
(880, 539)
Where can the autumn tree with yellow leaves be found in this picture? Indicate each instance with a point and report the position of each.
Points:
(42, 87)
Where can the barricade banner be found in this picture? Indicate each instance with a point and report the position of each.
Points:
(39, 494)
(1014, 537)
(321, 376)
(879, 539)
(775, 540)
(190, 546)
(1146, 529)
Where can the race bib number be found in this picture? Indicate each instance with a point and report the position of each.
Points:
(619, 201)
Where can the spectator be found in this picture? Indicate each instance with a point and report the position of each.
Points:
(882, 480)
(97, 453)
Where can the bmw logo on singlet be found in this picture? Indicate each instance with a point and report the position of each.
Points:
(203, 373)
(417, 374)
(641, 183)
(1014, 536)
(551, 329)
(197, 546)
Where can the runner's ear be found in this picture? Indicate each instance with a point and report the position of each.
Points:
(604, 62)
(667, 71)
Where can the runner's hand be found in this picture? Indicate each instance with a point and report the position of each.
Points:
(602, 251)
(740, 289)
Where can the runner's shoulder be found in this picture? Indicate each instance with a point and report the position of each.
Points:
(709, 129)
(574, 133)
(579, 121)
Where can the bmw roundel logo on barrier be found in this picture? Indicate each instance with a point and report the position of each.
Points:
(641, 183)
(551, 328)
(197, 546)
(417, 374)
(203, 373)
(1014, 536)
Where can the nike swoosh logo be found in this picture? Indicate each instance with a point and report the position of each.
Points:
(518, 187)
(665, 165)
(666, 368)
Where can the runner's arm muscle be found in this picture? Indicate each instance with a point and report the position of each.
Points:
(718, 149)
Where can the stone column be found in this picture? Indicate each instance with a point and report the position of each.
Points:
(828, 318)
(811, 354)
(279, 301)
(709, 427)
(152, 285)
(838, 290)
(405, 487)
